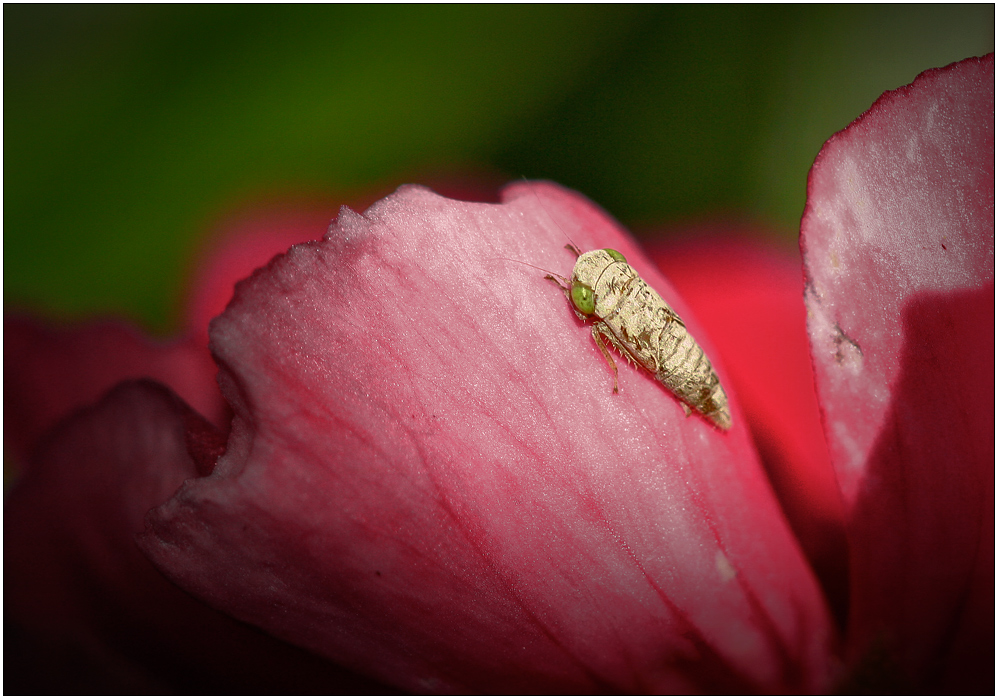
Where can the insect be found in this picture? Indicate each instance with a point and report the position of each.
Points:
(624, 309)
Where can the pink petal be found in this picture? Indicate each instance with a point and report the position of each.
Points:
(429, 480)
(898, 238)
(749, 297)
(49, 373)
(78, 589)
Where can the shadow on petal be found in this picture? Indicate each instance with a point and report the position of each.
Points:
(922, 531)
(80, 595)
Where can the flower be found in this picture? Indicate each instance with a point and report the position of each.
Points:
(427, 480)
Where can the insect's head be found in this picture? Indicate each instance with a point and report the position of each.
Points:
(586, 274)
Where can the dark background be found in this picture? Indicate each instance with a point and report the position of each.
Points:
(128, 130)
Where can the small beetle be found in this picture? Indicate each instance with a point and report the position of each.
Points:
(624, 309)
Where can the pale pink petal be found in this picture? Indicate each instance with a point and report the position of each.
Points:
(429, 480)
(242, 242)
(898, 239)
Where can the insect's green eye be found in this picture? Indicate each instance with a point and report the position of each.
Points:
(583, 299)
(614, 254)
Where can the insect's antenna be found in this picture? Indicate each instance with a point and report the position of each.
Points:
(571, 243)
(539, 269)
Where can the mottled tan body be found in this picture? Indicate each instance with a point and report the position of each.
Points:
(643, 328)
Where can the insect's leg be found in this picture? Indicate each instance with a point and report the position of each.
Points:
(624, 352)
(574, 250)
(561, 284)
(686, 409)
(606, 353)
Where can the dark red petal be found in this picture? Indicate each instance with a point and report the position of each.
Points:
(77, 589)
(898, 239)
(49, 373)
(749, 296)
(429, 480)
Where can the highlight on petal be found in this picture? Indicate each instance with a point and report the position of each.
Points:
(79, 593)
(49, 373)
(239, 246)
(748, 296)
(429, 480)
(898, 242)
(249, 239)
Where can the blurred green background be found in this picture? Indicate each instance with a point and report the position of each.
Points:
(128, 128)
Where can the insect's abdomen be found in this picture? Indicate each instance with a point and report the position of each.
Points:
(651, 333)
(684, 368)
